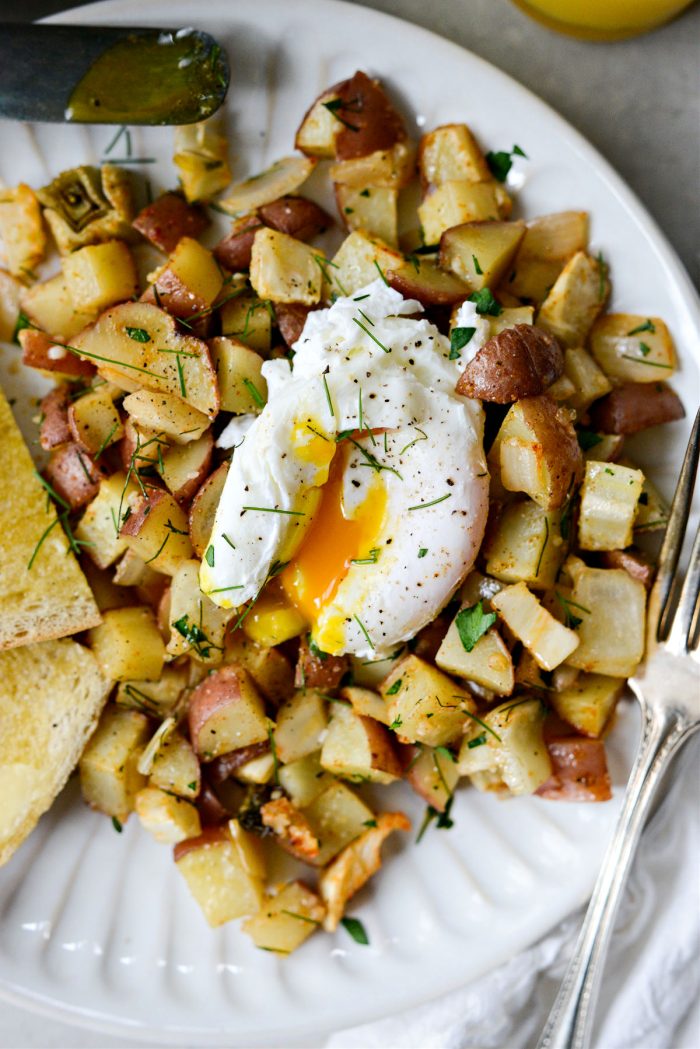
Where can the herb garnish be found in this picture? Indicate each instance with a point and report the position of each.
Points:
(209, 556)
(422, 506)
(587, 439)
(602, 274)
(486, 303)
(195, 636)
(423, 551)
(379, 269)
(372, 337)
(444, 820)
(138, 334)
(301, 917)
(275, 510)
(328, 395)
(117, 825)
(356, 929)
(570, 620)
(472, 623)
(394, 688)
(254, 392)
(371, 558)
(544, 546)
(477, 268)
(647, 326)
(459, 338)
(334, 107)
(23, 322)
(363, 628)
(501, 162)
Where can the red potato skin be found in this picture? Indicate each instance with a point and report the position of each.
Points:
(381, 745)
(519, 362)
(169, 218)
(406, 280)
(296, 216)
(209, 836)
(140, 510)
(218, 690)
(314, 672)
(189, 489)
(36, 346)
(234, 250)
(291, 318)
(54, 430)
(636, 406)
(374, 122)
(579, 770)
(226, 764)
(73, 475)
(634, 562)
(211, 812)
(176, 298)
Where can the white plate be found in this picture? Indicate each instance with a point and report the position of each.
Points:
(99, 929)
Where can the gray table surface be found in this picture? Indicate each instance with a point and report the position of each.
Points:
(637, 101)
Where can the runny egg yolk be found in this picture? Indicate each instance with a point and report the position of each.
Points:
(331, 543)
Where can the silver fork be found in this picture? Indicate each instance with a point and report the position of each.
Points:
(667, 686)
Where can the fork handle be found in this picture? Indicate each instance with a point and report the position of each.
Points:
(570, 1020)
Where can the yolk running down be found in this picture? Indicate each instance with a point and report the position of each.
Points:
(331, 543)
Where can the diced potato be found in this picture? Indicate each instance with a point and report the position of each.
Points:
(422, 279)
(304, 779)
(88, 205)
(509, 317)
(433, 775)
(226, 713)
(94, 420)
(157, 530)
(257, 770)
(630, 348)
(359, 260)
(158, 698)
(549, 242)
(175, 768)
(168, 818)
(248, 320)
(184, 467)
(284, 269)
(537, 452)
(450, 153)
(168, 218)
(286, 919)
(99, 525)
(514, 745)
(284, 176)
(606, 450)
(549, 641)
(526, 545)
(316, 133)
(609, 497)
(203, 509)
(109, 779)
(391, 168)
(40, 351)
(355, 866)
(356, 747)
(652, 508)
(272, 621)
(301, 723)
(167, 414)
(480, 252)
(588, 703)
(579, 771)
(22, 230)
(201, 158)
(127, 644)
(100, 275)
(612, 628)
(316, 669)
(369, 208)
(49, 305)
(269, 668)
(489, 663)
(188, 607)
(575, 300)
(337, 816)
(453, 203)
(588, 380)
(221, 883)
(242, 388)
(188, 283)
(425, 705)
(366, 702)
(561, 390)
(292, 830)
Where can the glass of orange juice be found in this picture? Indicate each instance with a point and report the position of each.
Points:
(603, 19)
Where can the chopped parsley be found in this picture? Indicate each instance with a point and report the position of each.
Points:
(356, 929)
(138, 334)
(394, 688)
(423, 551)
(443, 819)
(209, 556)
(22, 323)
(117, 825)
(195, 636)
(501, 162)
(459, 338)
(587, 439)
(472, 623)
(477, 268)
(486, 303)
(334, 107)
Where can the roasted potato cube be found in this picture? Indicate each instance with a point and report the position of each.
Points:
(283, 177)
(73, 475)
(549, 242)
(433, 774)
(355, 865)
(489, 662)
(22, 230)
(291, 828)
(316, 669)
(526, 545)
(88, 205)
(549, 641)
(109, 779)
(99, 525)
(157, 530)
(188, 607)
(373, 209)
(357, 747)
(168, 818)
(366, 702)
(248, 320)
(226, 713)
(537, 452)
(53, 428)
(10, 295)
(630, 348)
(315, 135)
(609, 497)
(425, 705)
(201, 157)
(167, 414)
(217, 875)
(635, 562)
(185, 467)
(579, 771)
(284, 269)
(40, 351)
(188, 283)
(233, 251)
(296, 216)
(453, 203)
(611, 632)
(49, 305)
(337, 816)
(513, 742)
(269, 668)
(168, 219)
(242, 388)
(127, 644)
(359, 260)
(94, 421)
(100, 275)
(391, 168)
(509, 317)
(480, 252)
(588, 380)
(652, 508)
(450, 153)
(421, 279)
(518, 362)
(588, 703)
(366, 119)
(158, 698)
(575, 299)
(286, 919)
(175, 768)
(636, 406)
(203, 509)
(304, 780)
(301, 724)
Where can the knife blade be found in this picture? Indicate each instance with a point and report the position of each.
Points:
(110, 74)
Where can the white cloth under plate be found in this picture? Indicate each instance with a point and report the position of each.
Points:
(651, 985)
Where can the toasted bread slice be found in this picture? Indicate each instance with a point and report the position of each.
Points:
(51, 696)
(52, 598)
